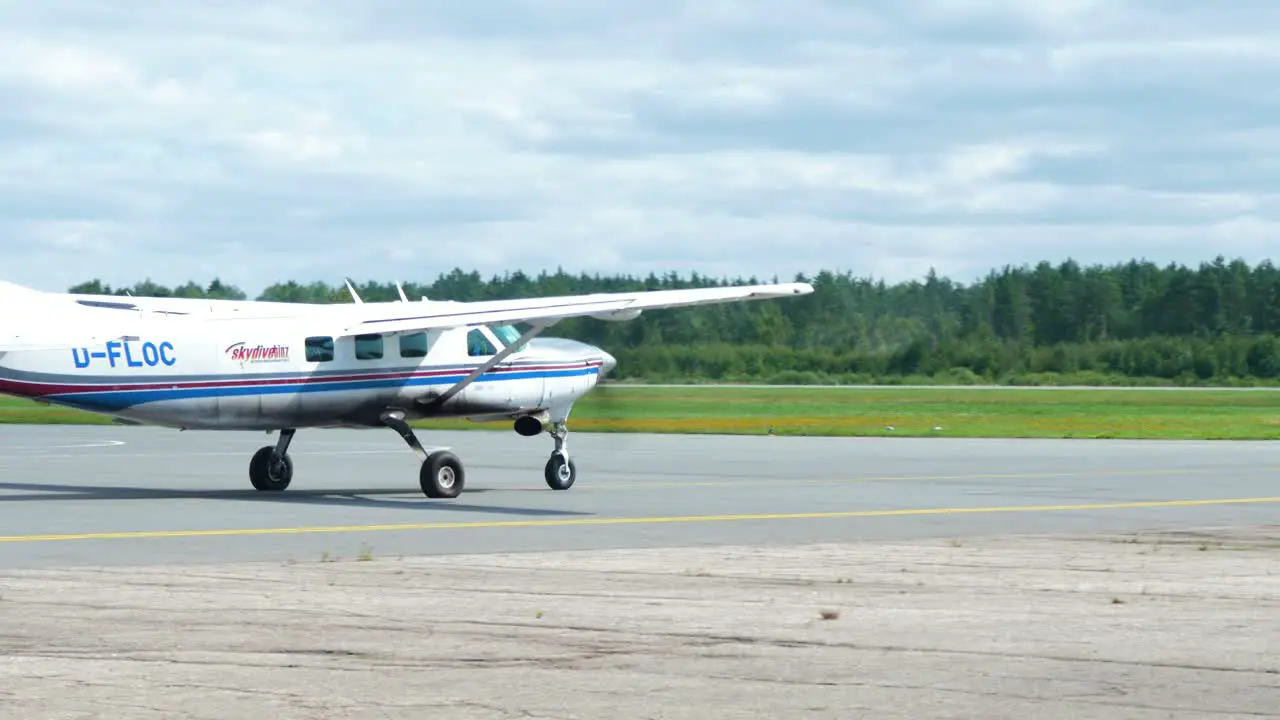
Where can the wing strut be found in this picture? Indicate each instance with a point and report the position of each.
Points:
(489, 364)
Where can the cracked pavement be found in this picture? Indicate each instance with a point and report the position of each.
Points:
(1139, 627)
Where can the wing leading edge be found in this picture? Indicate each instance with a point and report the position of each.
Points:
(609, 306)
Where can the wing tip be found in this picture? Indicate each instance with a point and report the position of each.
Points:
(787, 289)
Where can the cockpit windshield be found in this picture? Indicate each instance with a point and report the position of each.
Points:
(507, 334)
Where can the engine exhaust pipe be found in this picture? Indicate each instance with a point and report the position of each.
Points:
(531, 425)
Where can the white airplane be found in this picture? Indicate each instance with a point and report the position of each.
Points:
(252, 365)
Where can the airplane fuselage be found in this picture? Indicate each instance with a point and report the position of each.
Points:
(275, 372)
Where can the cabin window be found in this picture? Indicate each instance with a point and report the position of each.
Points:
(319, 348)
(369, 347)
(478, 345)
(508, 334)
(413, 346)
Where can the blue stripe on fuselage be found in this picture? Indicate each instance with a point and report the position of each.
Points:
(122, 399)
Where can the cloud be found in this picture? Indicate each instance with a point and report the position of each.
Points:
(392, 139)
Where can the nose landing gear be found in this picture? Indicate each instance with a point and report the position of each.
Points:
(560, 472)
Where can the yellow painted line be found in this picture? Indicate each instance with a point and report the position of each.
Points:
(1063, 474)
(571, 522)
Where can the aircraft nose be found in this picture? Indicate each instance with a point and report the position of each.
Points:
(609, 363)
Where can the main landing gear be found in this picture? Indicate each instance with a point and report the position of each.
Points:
(441, 475)
(271, 468)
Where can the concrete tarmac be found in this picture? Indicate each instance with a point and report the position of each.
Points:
(116, 495)
(1151, 627)
(682, 577)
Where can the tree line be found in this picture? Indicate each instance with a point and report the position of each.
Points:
(1127, 323)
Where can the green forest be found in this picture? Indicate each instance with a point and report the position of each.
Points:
(1134, 323)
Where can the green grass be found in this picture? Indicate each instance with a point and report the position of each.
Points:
(16, 411)
(969, 412)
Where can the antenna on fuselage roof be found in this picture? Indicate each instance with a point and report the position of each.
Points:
(404, 297)
(352, 289)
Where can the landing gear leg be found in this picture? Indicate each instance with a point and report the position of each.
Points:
(441, 475)
(271, 469)
(560, 471)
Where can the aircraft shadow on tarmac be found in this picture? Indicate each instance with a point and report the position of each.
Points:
(363, 497)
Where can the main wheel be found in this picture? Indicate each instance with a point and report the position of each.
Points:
(441, 475)
(560, 472)
(268, 474)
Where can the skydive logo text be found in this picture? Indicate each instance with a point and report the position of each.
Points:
(241, 352)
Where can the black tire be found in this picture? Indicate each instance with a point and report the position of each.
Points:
(560, 472)
(269, 476)
(442, 475)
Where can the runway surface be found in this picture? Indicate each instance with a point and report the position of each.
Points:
(89, 496)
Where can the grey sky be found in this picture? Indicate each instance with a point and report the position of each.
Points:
(391, 139)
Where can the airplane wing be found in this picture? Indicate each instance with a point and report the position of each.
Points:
(409, 317)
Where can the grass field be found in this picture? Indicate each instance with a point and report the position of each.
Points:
(968, 412)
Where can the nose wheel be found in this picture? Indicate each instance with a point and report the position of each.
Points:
(560, 472)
